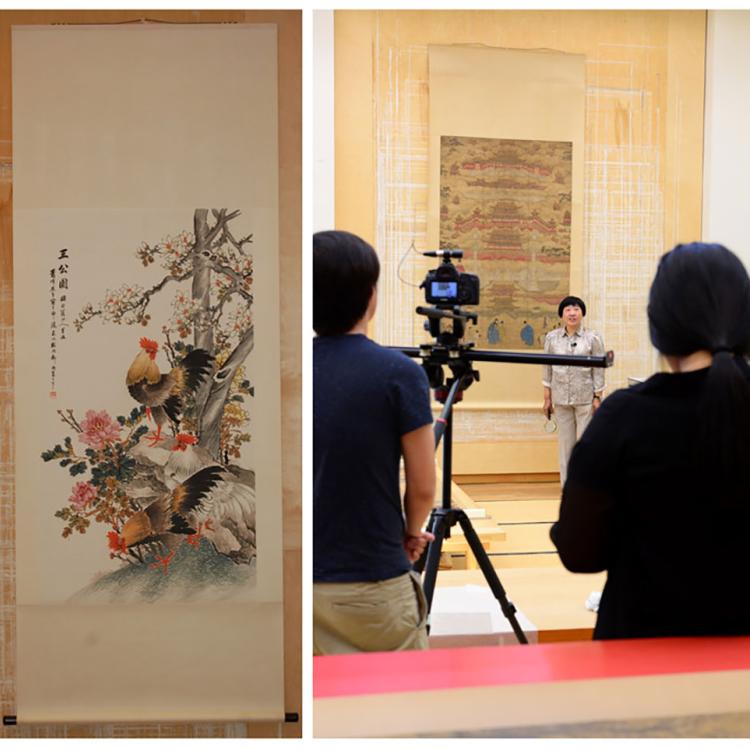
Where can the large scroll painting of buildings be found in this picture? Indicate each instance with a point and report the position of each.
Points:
(507, 204)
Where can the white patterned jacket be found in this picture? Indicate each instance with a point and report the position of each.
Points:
(573, 385)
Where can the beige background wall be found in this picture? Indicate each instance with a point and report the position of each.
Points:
(642, 181)
(290, 115)
(727, 155)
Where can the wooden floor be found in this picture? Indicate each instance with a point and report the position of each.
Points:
(525, 511)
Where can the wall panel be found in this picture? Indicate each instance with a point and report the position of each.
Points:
(642, 170)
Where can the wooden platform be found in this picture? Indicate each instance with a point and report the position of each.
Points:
(523, 511)
(503, 491)
(515, 533)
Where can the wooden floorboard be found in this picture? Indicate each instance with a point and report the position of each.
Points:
(498, 492)
(521, 511)
(537, 560)
(525, 512)
(524, 538)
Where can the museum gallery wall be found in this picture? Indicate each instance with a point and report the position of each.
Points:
(640, 175)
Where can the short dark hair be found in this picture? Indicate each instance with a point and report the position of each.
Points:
(570, 300)
(700, 300)
(345, 272)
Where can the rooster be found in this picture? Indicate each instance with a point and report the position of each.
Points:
(175, 513)
(163, 394)
(230, 523)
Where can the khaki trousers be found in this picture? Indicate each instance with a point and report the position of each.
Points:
(372, 616)
(571, 422)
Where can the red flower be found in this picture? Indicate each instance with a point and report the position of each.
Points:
(182, 441)
(116, 542)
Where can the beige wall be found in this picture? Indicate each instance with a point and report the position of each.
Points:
(290, 204)
(642, 180)
(727, 155)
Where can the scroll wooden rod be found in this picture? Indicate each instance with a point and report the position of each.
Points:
(137, 20)
(289, 718)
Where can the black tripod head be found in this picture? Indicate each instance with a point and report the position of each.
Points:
(453, 313)
(457, 358)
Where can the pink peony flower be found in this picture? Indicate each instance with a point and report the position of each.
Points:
(99, 429)
(83, 494)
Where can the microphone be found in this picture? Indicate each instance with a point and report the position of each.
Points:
(573, 344)
(444, 254)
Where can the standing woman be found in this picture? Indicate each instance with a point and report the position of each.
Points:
(572, 393)
(658, 490)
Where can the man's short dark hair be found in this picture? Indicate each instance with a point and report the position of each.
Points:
(345, 272)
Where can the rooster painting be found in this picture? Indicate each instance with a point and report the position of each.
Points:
(169, 480)
(231, 502)
(173, 516)
(163, 394)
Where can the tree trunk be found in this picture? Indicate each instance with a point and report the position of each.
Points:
(203, 334)
(217, 397)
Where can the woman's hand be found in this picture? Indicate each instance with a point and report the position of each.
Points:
(547, 409)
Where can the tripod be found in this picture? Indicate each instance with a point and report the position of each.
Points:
(458, 357)
(444, 518)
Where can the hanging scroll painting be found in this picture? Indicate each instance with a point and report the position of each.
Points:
(506, 182)
(147, 373)
(507, 204)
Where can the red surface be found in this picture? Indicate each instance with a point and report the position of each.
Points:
(444, 669)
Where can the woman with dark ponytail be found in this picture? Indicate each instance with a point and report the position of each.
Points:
(658, 488)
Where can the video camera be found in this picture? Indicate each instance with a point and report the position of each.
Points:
(447, 288)
(446, 285)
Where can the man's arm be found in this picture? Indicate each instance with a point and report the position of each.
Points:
(418, 448)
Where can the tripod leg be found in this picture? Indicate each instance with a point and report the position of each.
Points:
(490, 575)
(439, 527)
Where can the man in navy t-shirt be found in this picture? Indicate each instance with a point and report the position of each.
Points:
(371, 406)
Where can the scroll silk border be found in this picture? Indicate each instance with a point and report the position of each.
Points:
(491, 92)
(120, 134)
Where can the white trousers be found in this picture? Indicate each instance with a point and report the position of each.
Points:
(571, 422)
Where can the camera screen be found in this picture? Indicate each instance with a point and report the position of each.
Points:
(446, 289)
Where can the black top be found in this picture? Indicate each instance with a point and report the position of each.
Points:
(637, 505)
(365, 397)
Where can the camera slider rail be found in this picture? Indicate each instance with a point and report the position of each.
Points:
(438, 354)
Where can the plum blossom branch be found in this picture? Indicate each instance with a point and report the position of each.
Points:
(128, 304)
(222, 217)
(238, 245)
(70, 420)
(239, 280)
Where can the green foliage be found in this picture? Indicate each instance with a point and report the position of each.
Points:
(182, 348)
(101, 498)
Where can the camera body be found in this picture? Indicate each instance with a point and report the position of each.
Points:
(446, 285)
